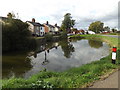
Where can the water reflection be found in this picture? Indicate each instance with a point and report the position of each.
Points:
(45, 62)
(54, 56)
(95, 44)
(67, 48)
(15, 65)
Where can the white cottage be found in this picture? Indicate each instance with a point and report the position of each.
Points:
(36, 28)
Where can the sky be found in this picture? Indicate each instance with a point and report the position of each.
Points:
(84, 12)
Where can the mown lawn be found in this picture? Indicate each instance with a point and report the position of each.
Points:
(73, 78)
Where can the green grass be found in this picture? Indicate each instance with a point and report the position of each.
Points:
(43, 37)
(73, 78)
(110, 40)
(39, 37)
(111, 34)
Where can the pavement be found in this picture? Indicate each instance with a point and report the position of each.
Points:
(111, 82)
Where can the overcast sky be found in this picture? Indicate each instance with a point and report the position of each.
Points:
(83, 11)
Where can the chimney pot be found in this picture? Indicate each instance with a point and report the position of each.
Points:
(47, 22)
(33, 19)
(56, 24)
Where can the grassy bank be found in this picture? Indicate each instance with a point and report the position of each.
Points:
(73, 78)
(110, 40)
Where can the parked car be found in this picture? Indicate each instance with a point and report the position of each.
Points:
(105, 32)
(69, 34)
(91, 32)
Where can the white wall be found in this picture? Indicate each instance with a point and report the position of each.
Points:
(31, 27)
(56, 29)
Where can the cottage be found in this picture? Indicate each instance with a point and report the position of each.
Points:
(36, 28)
(49, 28)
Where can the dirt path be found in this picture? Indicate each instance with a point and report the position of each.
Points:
(110, 82)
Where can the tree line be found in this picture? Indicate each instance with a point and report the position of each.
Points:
(96, 26)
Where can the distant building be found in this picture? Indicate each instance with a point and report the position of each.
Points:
(81, 31)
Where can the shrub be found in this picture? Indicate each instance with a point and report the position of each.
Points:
(48, 37)
(63, 35)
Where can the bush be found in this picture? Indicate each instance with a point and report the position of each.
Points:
(63, 35)
(48, 37)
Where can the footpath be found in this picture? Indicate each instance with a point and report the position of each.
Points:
(113, 81)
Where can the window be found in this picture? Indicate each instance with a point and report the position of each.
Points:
(40, 28)
(37, 28)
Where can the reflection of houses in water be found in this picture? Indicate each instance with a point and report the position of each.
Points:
(45, 62)
(69, 39)
(47, 47)
(56, 45)
(44, 48)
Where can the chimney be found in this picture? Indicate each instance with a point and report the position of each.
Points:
(56, 24)
(33, 19)
(47, 22)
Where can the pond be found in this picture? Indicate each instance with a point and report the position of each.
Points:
(55, 56)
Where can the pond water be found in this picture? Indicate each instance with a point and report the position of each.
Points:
(55, 56)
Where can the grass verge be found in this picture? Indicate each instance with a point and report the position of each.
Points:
(73, 78)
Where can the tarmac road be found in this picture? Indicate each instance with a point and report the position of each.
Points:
(115, 36)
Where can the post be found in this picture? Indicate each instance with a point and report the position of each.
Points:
(114, 55)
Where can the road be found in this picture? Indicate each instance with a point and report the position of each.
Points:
(113, 81)
(115, 36)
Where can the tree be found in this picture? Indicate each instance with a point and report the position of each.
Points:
(97, 26)
(107, 29)
(67, 23)
(67, 48)
(11, 15)
(95, 44)
(74, 29)
(114, 30)
(16, 36)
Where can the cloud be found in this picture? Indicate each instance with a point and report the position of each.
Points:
(83, 11)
